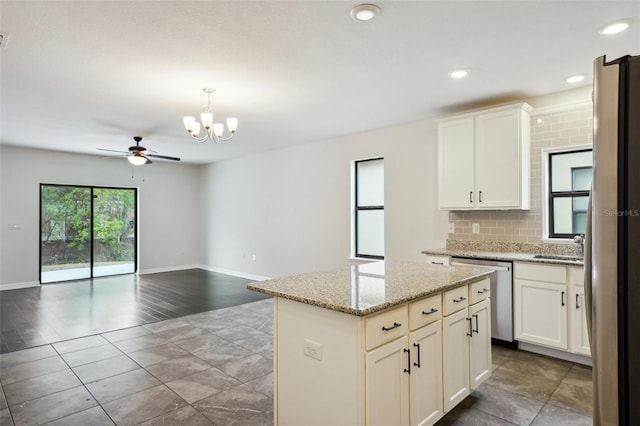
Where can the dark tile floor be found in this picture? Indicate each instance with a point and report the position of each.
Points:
(55, 312)
(215, 368)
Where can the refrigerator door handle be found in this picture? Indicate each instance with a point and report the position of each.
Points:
(588, 306)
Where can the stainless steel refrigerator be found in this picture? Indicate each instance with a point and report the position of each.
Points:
(612, 262)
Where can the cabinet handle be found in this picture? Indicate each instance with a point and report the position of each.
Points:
(480, 196)
(432, 311)
(562, 299)
(476, 330)
(408, 369)
(395, 325)
(437, 263)
(577, 305)
(470, 333)
(471, 196)
(460, 299)
(417, 364)
(483, 291)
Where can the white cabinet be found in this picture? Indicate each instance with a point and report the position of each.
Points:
(579, 335)
(426, 403)
(480, 343)
(456, 330)
(540, 304)
(483, 159)
(387, 393)
(466, 337)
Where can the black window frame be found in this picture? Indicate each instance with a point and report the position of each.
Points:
(358, 208)
(564, 194)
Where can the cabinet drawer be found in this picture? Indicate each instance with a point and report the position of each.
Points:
(437, 260)
(425, 311)
(456, 299)
(479, 291)
(387, 326)
(546, 273)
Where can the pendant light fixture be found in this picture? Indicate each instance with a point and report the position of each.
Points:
(213, 131)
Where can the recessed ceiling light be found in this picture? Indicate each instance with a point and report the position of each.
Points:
(365, 12)
(575, 78)
(458, 73)
(616, 26)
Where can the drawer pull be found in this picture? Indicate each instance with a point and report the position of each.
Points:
(459, 299)
(408, 369)
(432, 311)
(395, 325)
(437, 263)
(483, 291)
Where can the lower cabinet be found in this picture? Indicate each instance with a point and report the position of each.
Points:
(387, 394)
(466, 346)
(549, 307)
(426, 404)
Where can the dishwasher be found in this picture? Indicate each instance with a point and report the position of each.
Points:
(501, 297)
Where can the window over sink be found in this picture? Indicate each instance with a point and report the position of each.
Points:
(569, 174)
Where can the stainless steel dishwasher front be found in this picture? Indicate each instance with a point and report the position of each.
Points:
(501, 295)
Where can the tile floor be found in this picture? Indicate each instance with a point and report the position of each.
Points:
(215, 368)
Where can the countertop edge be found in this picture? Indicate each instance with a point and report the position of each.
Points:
(508, 257)
(373, 309)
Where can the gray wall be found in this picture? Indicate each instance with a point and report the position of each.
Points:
(168, 207)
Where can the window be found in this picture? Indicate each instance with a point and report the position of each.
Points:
(569, 185)
(369, 208)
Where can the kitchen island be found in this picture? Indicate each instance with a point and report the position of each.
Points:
(382, 343)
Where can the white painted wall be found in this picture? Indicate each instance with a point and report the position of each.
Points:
(169, 207)
(291, 207)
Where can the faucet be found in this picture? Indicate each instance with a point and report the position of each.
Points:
(579, 239)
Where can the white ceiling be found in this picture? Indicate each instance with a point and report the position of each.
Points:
(86, 74)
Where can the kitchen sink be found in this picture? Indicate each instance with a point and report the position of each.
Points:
(557, 257)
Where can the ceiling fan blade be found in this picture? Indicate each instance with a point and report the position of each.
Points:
(107, 157)
(112, 150)
(164, 157)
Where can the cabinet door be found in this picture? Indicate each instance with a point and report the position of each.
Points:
(480, 343)
(498, 161)
(540, 311)
(579, 333)
(387, 384)
(455, 358)
(426, 375)
(456, 164)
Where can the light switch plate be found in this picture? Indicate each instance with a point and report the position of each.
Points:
(475, 228)
(452, 228)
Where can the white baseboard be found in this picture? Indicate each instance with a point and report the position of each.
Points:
(555, 353)
(233, 273)
(168, 269)
(16, 286)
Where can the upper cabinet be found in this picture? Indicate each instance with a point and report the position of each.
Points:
(483, 159)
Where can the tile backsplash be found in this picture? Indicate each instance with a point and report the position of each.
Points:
(569, 126)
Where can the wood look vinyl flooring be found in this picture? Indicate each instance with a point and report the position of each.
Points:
(68, 310)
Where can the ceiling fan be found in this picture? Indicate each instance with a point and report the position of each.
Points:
(139, 155)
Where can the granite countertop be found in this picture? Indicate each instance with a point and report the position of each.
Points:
(509, 256)
(371, 287)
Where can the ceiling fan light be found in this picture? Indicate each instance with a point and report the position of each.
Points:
(137, 160)
(218, 128)
(232, 124)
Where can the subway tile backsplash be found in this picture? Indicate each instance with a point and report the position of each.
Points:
(567, 127)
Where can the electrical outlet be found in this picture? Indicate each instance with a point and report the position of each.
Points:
(452, 228)
(475, 228)
(312, 349)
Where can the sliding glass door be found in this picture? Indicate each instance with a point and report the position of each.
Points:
(86, 232)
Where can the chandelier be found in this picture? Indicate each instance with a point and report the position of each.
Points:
(213, 131)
